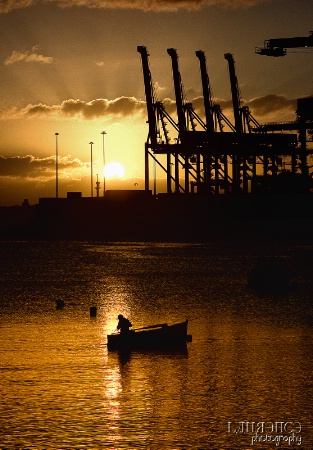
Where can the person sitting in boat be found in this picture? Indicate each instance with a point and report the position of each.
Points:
(123, 324)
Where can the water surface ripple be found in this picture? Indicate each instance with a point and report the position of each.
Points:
(250, 362)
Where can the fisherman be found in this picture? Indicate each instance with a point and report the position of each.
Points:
(123, 324)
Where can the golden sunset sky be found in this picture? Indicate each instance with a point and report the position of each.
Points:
(72, 67)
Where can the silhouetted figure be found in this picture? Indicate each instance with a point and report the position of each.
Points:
(123, 324)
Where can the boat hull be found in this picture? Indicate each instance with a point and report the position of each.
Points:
(160, 337)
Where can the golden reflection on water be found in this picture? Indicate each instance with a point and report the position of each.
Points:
(113, 300)
(250, 359)
(111, 404)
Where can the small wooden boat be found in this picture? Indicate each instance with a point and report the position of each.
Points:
(160, 336)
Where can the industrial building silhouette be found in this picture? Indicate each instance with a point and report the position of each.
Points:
(223, 178)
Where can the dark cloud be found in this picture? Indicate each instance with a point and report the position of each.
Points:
(262, 106)
(143, 5)
(9, 5)
(32, 167)
(24, 166)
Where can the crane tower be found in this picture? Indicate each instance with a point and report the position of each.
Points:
(206, 158)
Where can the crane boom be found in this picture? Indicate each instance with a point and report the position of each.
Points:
(235, 92)
(178, 90)
(206, 89)
(277, 47)
(149, 93)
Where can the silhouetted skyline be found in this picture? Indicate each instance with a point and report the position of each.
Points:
(75, 70)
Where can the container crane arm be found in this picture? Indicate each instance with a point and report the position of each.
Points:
(235, 92)
(206, 89)
(178, 90)
(150, 101)
(277, 47)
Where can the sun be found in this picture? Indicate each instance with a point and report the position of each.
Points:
(113, 170)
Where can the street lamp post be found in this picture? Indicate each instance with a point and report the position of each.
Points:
(103, 133)
(56, 166)
(91, 169)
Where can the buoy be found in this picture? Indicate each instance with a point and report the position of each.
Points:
(59, 304)
(93, 311)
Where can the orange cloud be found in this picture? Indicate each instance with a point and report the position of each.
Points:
(16, 57)
(121, 106)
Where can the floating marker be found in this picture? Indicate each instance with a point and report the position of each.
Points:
(59, 304)
(93, 311)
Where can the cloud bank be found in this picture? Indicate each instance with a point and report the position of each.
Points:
(37, 168)
(7, 6)
(130, 107)
(79, 109)
(262, 106)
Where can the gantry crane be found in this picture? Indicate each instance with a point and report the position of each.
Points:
(250, 149)
(304, 126)
(243, 168)
(206, 155)
(304, 122)
(216, 162)
(204, 160)
(182, 123)
(188, 120)
(277, 47)
(158, 141)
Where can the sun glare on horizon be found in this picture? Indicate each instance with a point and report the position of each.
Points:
(113, 170)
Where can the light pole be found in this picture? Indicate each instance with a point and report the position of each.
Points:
(91, 171)
(56, 166)
(103, 133)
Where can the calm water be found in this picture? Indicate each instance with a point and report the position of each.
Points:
(251, 359)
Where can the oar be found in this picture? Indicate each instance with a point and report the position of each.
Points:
(151, 326)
